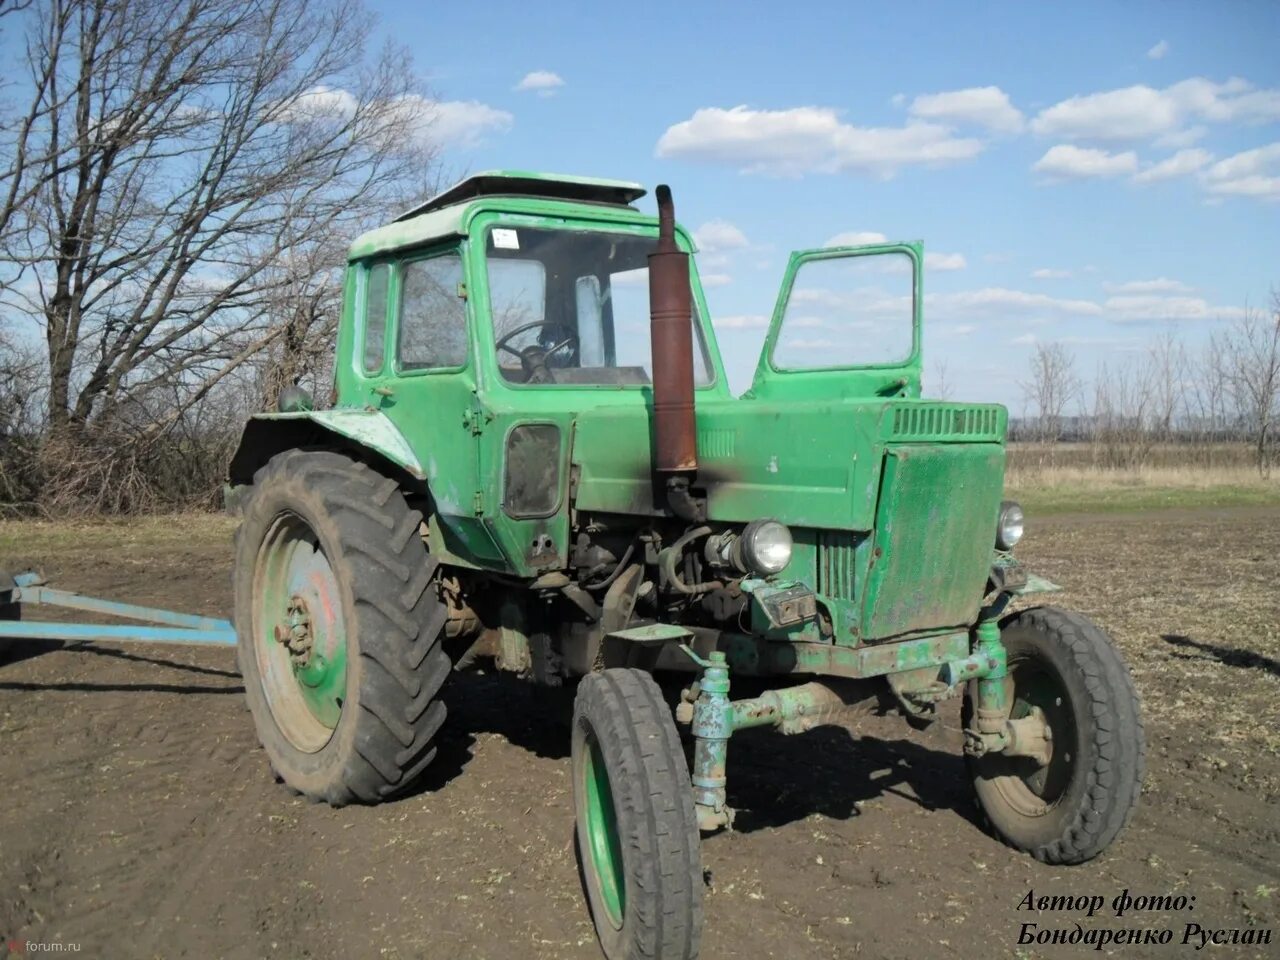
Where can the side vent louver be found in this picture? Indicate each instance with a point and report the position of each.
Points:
(836, 564)
(938, 420)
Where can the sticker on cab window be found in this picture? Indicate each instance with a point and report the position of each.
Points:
(505, 239)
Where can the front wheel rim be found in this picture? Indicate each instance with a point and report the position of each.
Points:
(603, 845)
(1028, 788)
(299, 633)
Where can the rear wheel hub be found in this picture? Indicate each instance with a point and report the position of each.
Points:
(302, 650)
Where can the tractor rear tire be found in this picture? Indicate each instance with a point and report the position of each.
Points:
(339, 623)
(636, 831)
(1070, 810)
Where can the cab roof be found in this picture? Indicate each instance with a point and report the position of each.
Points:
(444, 214)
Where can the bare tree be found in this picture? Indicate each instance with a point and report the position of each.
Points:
(1122, 417)
(1052, 386)
(1207, 400)
(1168, 370)
(942, 380)
(182, 166)
(1249, 353)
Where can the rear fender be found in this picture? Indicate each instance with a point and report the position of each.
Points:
(367, 435)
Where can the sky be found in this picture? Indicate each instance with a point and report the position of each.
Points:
(1089, 173)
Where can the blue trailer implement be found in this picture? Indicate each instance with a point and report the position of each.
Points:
(29, 589)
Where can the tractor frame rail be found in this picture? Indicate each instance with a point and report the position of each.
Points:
(30, 588)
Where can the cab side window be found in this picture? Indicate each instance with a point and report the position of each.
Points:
(375, 316)
(432, 325)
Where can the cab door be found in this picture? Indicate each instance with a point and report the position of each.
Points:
(846, 324)
(418, 369)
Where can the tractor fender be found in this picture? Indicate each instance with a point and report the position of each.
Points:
(367, 435)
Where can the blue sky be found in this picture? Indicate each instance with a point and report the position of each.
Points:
(1090, 173)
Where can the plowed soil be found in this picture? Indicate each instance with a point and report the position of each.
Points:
(139, 818)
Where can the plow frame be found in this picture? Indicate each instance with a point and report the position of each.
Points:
(158, 626)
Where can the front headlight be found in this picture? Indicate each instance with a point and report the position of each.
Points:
(1009, 527)
(765, 547)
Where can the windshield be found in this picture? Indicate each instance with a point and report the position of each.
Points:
(572, 307)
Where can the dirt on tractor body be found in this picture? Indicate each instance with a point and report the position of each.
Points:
(140, 819)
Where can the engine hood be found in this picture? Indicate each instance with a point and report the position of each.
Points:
(808, 463)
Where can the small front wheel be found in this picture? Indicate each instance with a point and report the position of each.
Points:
(636, 830)
(1070, 809)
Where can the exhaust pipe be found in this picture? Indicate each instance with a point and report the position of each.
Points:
(671, 338)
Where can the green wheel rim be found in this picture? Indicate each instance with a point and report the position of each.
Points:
(1029, 789)
(604, 845)
(299, 633)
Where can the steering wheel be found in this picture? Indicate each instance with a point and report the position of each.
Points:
(533, 358)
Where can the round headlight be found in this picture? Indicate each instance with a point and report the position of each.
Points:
(765, 547)
(1009, 528)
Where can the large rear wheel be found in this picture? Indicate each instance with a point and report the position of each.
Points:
(339, 622)
(1070, 809)
(636, 830)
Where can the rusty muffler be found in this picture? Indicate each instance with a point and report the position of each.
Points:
(671, 333)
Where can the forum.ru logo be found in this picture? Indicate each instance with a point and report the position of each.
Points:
(24, 948)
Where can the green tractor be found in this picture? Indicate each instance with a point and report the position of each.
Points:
(534, 458)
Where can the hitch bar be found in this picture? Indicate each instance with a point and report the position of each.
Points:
(30, 589)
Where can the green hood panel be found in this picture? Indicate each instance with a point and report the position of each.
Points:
(806, 464)
(809, 464)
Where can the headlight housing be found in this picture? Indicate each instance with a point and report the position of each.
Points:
(1009, 527)
(764, 548)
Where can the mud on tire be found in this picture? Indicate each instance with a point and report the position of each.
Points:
(646, 850)
(1071, 810)
(393, 616)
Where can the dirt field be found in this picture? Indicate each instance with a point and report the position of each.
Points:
(139, 818)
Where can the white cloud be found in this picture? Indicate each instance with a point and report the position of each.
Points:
(1159, 285)
(856, 238)
(542, 82)
(968, 302)
(465, 122)
(318, 102)
(1129, 309)
(1067, 162)
(1141, 112)
(1181, 164)
(1250, 173)
(742, 321)
(1048, 273)
(803, 140)
(944, 261)
(717, 236)
(716, 280)
(984, 106)
(1179, 139)
(444, 122)
(1158, 51)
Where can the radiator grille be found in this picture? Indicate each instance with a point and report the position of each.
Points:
(920, 421)
(836, 564)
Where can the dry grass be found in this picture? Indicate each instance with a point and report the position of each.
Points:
(1068, 479)
(1175, 477)
(1026, 455)
(125, 534)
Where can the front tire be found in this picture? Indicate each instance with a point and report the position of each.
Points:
(1071, 809)
(636, 831)
(339, 625)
